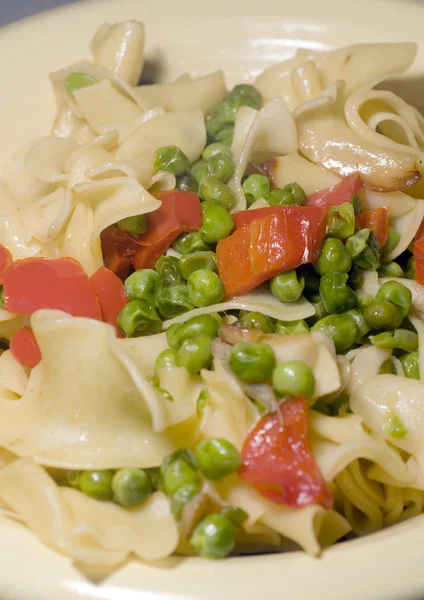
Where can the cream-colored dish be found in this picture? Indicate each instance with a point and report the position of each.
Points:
(346, 570)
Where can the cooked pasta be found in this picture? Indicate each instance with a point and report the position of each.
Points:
(211, 320)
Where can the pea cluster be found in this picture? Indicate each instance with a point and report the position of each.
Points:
(180, 477)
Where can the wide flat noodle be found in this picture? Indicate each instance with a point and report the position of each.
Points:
(120, 48)
(260, 300)
(185, 129)
(358, 65)
(46, 159)
(398, 203)
(366, 365)
(105, 109)
(388, 394)
(91, 532)
(259, 136)
(184, 94)
(68, 125)
(22, 184)
(326, 139)
(287, 169)
(57, 419)
(407, 225)
(309, 527)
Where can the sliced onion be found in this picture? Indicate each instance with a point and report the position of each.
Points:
(204, 503)
(231, 334)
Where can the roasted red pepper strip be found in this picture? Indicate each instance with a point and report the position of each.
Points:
(110, 292)
(57, 283)
(179, 212)
(278, 461)
(269, 243)
(337, 194)
(5, 260)
(118, 250)
(378, 221)
(24, 348)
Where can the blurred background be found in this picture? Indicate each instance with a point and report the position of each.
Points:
(12, 10)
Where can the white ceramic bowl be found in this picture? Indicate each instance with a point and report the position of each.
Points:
(242, 37)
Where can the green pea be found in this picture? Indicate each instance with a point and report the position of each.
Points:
(410, 268)
(214, 537)
(144, 284)
(217, 457)
(287, 287)
(72, 478)
(293, 377)
(197, 326)
(291, 193)
(137, 318)
(257, 186)
(181, 454)
(382, 314)
(340, 328)
(322, 408)
(156, 478)
(187, 183)
(237, 515)
(252, 362)
(171, 159)
(217, 224)
(168, 269)
(190, 242)
(410, 365)
(356, 204)
(333, 258)
(337, 297)
(177, 474)
(225, 136)
(361, 324)
(392, 241)
(245, 95)
(195, 354)
(393, 426)
(202, 401)
(215, 149)
(96, 484)
(387, 367)
(222, 116)
(183, 495)
(396, 293)
(205, 288)
(136, 225)
(356, 278)
(76, 81)
(256, 320)
(131, 486)
(174, 301)
(212, 188)
(390, 269)
(341, 221)
(220, 166)
(189, 263)
(291, 327)
(198, 170)
(167, 359)
(364, 249)
(400, 339)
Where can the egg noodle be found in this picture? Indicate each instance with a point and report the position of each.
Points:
(97, 403)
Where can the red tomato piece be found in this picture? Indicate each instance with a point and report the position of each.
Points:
(24, 348)
(57, 283)
(338, 194)
(419, 263)
(275, 242)
(118, 251)
(378, 221)
(179, 212)
(278, 461)
(5, 260)
(111, 294)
